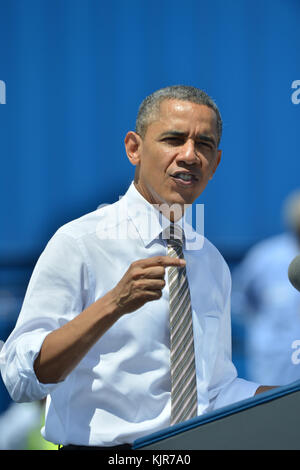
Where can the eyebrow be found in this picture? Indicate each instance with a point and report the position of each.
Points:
(181, 134)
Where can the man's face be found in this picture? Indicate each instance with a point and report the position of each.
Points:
(178, 154)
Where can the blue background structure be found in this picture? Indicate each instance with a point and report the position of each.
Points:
(75, 73)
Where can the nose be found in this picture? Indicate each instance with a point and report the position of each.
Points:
(188, 153)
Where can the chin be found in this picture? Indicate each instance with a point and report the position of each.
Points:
(184, 199)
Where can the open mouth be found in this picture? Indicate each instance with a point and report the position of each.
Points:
(185, 178)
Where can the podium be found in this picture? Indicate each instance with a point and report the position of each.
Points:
(268, 421)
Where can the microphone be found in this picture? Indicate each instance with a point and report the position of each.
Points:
(294, 272)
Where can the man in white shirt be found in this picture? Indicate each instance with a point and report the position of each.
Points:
(93, 332)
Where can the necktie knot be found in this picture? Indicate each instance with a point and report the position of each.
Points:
(174, 235)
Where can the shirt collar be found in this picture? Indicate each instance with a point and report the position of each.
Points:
(150, 222)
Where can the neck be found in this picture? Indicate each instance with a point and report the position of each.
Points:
(171, 211)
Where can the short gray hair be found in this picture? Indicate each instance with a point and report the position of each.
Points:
(149, 108)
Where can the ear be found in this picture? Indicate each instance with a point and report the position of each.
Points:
(133, 143)
(218, 159)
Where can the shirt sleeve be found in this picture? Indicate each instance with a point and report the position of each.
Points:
(237, 390)
(57, 292)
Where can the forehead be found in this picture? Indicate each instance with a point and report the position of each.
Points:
(185, 116)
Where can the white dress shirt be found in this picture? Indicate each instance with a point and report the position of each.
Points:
(120, 390)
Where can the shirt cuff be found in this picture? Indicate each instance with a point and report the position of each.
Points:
(237, 390)
(20, 378)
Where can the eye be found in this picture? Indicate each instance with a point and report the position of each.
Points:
(173, 140)
(204, 144)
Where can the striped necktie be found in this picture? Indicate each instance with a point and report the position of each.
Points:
(182, 356)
